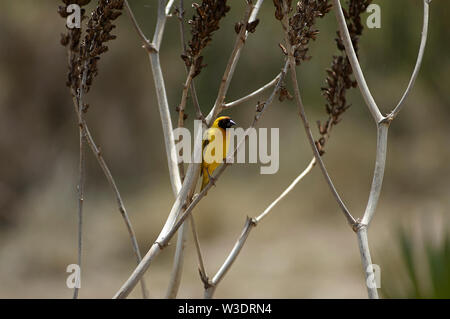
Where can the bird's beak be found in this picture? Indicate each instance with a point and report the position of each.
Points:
(232, 123)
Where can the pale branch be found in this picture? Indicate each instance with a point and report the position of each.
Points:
(287, 190)
(163, 105)
(377, 181)
(249, 225)
(363, 243)
(163, 11)
(350, 219)
(423, 43)
(169, 7)
(138, 29)
(351, 54)
(251, 95)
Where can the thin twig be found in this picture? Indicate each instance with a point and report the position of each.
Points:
(251, 95)
(136, 25)
(423, 43)
(359, 76)
(287, 190)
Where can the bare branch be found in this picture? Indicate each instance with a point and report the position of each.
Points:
(368, 98)
(366, 260)
(380, 163)
(169, 6)
(423, 42)
(136, 25)
(253, 94)
(287, 190)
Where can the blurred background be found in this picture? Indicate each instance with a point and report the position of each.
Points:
(304, 249)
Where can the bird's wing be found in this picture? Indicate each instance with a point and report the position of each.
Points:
(204, 144)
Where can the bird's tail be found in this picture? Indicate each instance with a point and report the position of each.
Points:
(205, 179)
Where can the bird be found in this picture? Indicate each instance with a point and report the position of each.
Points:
(211, 160)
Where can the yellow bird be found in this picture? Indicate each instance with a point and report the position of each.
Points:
(215, 147)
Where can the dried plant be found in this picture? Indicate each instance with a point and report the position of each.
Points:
(83, 57)
(299, 25)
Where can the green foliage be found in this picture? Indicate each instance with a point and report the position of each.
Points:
(431, 281)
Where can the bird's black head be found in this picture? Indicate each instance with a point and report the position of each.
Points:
(225, 122)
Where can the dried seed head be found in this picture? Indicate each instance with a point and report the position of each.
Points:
(84, 54)
(301, 25)
(203, 24)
